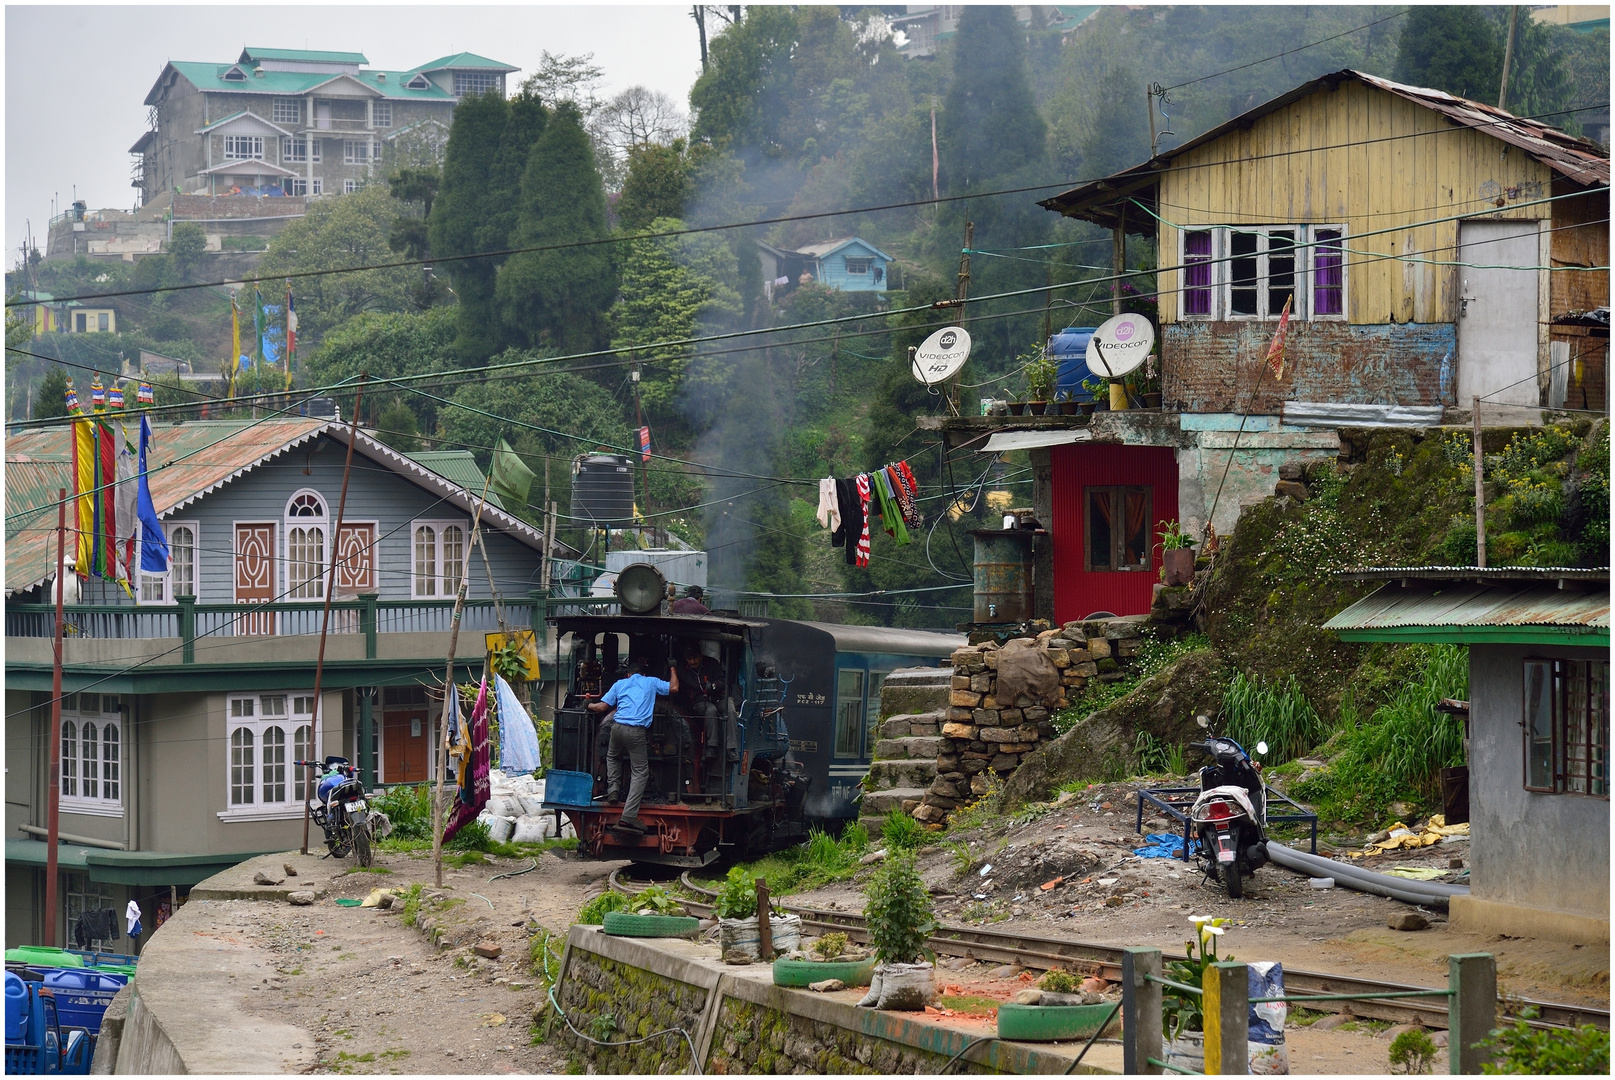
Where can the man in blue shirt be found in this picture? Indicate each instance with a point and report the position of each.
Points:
(634, 699)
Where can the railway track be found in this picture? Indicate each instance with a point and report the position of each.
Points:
(1087, 958)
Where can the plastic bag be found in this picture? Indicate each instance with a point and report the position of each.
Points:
(901, 987)
(1268, 1055)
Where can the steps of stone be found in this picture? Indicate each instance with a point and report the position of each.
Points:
(902, 773)
(906, 724)
(914, 747)
(877, 803)
(909, 696)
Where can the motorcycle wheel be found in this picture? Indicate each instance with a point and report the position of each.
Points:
(361, 845)
(1234, 880)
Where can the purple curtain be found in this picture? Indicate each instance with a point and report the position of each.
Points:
(1329, 274)
(1197, 273)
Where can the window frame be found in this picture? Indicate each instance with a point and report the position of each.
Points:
(1305, 273)
(1561, 672)
(381, 114)
(853, 263)
(287, 110)
(850, 714)
(442, 588)
(167, 594)
(1312, 274)
(1263, 286)
(484, 81)
(349, 186)
(75, 764)
(310, 153)
(232, 151)
(312, 588)
(1213, 288)
(302, 185)
(1117, 540)
(263, 776)
(349, 157)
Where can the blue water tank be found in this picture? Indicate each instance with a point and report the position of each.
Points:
(1069, 349)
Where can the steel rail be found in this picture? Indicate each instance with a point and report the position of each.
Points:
(1088, 958)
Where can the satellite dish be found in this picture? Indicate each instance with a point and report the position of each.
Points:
(942, 355)
(641, 588)
(1120, 345)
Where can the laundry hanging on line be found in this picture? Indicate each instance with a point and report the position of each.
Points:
(845, 505)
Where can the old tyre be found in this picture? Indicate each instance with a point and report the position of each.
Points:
(622, 924)
(805, 972)
(1050, 1023)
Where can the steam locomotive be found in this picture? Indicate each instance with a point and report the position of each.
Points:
(788, 742)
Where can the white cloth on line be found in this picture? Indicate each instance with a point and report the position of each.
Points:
(829, 505)
(518, 739)
(132, 915)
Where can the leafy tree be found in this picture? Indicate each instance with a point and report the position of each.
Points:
(386, 346)
(560, 297)
(1452, 48)
(186, 246)
(51, 398)
(415, 188)
(527, 120)
(989, 125)
(658, 183)
(458, 213)
(396, 426)
(338, 234)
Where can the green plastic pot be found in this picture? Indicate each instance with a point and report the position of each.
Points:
(1050, 1023)
(622, 924)
(806, 972)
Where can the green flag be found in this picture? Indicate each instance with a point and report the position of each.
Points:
(509, 477)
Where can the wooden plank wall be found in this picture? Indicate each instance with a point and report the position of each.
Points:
(1367, 159)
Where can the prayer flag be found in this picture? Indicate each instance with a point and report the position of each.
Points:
(145, 395)
(291, 325)
(235, 328)
(98, 395)
(106, 507)
(115, 397)
(83, 485)
(259, 321)
(153, 545)
(126, 500)
(509, 476)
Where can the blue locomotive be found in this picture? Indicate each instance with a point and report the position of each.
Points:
(771, 735)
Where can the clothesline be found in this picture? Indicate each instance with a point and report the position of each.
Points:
(844, 508)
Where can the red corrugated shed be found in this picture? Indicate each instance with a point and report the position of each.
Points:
(1079, 592)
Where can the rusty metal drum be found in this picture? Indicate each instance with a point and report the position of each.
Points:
(1003, 575)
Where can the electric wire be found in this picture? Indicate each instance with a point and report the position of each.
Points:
(1291, 52)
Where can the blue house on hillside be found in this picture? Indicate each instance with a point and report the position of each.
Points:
(848, 264)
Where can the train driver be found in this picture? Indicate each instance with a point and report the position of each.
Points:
(634, 701)
(700, 694)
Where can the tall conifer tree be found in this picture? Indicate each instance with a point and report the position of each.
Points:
(458, 215)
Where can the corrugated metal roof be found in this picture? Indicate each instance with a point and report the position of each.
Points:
(251, 53)
(459, 467)
(1475, 573)
(464, 60)
(31, 487)
(1578, 159)
(1475, 604)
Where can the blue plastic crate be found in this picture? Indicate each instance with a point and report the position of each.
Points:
(565, 788)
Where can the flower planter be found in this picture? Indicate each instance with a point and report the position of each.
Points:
(1050, 1023)
(1177, 565)
(806, 972)
(1087, 407)
(1017, 408)
(1038, 408)
(1068, 408)
(740, 935)
(901, 987)
(622, 924)
(1151, 401)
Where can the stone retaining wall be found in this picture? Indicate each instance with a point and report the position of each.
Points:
(985, 736)
(613, 1002)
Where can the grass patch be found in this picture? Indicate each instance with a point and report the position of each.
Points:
(973, 1003)
(594, 912)
(824, 859)
(368, 870)
(366, 1057)
(412, 904)
(395, 1054)
(901, 832)
(1255, 709)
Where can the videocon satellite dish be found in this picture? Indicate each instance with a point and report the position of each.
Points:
(1120, 345)
(942, 355)
(641, 588)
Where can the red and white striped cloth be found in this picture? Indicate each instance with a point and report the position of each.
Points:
(863, 540)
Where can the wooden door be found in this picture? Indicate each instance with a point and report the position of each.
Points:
(356, 560)
(1497, 321)
(405, 735)
(255, 575)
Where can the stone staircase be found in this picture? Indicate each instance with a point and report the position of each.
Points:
(913, 707)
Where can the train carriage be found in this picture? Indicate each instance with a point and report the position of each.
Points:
(793, 729)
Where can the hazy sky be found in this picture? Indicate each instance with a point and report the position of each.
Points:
(76, 77)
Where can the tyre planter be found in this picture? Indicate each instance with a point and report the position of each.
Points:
(622, 924)
(1050, 1023)
(806, 972)
(740, 935)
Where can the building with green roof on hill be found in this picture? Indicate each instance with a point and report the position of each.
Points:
(294, 121)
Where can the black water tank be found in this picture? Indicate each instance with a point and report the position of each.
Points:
(602, 491)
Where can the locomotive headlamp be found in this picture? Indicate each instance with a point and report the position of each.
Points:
(641, 587)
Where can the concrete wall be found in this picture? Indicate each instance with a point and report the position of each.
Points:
(1530, 849)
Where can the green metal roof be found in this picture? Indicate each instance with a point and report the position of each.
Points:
(464, 60)
(210, 77)
(458, 467)
(128, 867)
(250, 54)
(1447, 605)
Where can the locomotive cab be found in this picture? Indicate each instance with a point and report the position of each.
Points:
(721, 771)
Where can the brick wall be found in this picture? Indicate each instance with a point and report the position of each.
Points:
(1211, 366)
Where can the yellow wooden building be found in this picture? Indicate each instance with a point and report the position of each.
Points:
(1432, 250)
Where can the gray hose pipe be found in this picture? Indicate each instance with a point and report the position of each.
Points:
(1424, 893)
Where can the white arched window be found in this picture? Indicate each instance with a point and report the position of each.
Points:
(70, 758)
(440, 557)
(306, 533)
(89, 745)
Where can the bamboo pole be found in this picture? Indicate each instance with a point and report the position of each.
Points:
(448, 699)
(1480, 486)
(53, 799)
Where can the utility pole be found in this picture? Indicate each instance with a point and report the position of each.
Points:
(53, 799)
(961, 293)
(1508, 56)
(644, 464)
(1118, 258)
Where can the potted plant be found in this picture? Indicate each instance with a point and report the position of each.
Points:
(1041, 373)
(897, 910)
(739, 936)
(650, 913)
(1068, 404)
(831, 957)
(1098, 389)
(1182, 1018)
(1177, 554)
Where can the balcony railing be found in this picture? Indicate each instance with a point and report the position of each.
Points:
(187, 620)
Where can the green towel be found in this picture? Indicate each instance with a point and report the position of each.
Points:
(890, 515)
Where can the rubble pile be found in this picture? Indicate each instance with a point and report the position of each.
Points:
(1002, 699)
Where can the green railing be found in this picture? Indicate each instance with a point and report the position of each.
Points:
(1471, 995)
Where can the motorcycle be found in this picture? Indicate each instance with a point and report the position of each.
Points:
(1231, 812)
(342, 811)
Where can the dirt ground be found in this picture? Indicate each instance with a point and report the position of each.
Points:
(377, 997)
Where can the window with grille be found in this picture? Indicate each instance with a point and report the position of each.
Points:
(356, 151)
(305, 546)
(858, 266)
(1197, 274)
(243, 147)
(79, 895)
(1251, 273)
(268, 734)
(303, 186)
(349, 186)
(92, 754)
(288, 110)
(1118, 527)
(1328, 273)
(440, 553)
(181, 577)
(300, 150)
(849, 712)
(1566, 726)
(381, 114)
(476, 82)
